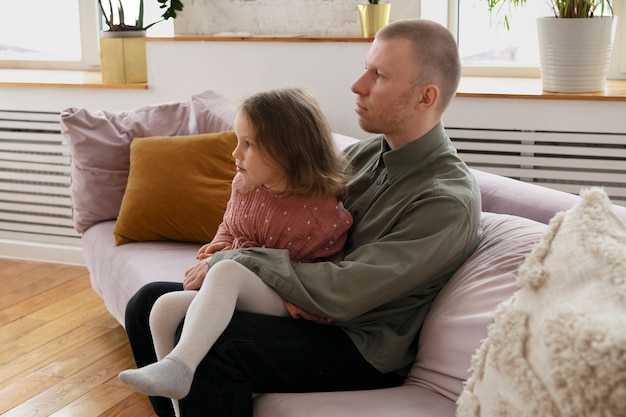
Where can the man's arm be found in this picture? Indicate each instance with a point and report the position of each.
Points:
(412, 260)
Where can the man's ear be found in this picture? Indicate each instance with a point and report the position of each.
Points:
(429, 97)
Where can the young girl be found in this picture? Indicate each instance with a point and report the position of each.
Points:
(286, 195)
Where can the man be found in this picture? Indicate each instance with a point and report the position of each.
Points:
(416, 210)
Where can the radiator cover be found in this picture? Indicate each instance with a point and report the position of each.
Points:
(566, 161)
(35, 203)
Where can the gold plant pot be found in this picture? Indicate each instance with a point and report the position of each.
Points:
(123, 57)
(373, 17)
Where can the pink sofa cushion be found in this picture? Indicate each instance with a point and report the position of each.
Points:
(99, 143)
(458, 319)
(212, 112)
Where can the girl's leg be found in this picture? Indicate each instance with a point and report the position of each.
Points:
(227, 286)
(137, 326)
(168, 311)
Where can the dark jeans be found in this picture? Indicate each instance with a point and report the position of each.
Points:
(257, 354)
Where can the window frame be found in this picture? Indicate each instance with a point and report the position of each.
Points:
(89, 25)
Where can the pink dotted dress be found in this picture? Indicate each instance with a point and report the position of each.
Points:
(310, 228)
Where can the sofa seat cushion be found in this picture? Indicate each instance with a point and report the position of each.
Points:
(118, 272)
(558, 346)
(403, 401)
(459, 316)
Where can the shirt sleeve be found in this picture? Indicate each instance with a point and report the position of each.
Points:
(405, 267)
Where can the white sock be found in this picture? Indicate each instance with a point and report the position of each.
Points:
(168, 377)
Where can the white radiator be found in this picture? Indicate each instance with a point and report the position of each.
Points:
(34, 180)
(565, 161)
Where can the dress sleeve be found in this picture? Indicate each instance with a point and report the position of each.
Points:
(223, 233)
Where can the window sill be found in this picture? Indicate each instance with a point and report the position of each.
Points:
(257, 38)
(476, 87)
(58, 78)
(531, 88)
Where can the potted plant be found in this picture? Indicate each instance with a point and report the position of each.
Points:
(373, 16)
(575, 44)
(120, 25)
(123, 45)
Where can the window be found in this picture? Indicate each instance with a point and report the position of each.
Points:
(60, 34)
(487, 48)
(44, 33)
(485, 41)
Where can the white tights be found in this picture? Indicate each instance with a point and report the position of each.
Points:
(207, 312)
(227, 286)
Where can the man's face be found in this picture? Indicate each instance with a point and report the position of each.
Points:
(386, 92)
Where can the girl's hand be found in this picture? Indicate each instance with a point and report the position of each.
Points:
(194, 276)
(210, 248)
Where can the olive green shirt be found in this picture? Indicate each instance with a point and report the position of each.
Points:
(416, 219)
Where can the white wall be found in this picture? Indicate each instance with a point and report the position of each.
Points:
(176, 70)
(237, 69)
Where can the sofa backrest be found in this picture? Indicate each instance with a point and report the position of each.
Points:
(509, 196)
(462, 311)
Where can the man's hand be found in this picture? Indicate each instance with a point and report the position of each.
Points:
(194, 276)
(298, 313)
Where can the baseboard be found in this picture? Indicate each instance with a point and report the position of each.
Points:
(41, 252)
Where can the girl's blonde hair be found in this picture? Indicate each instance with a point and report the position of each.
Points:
(292, 131)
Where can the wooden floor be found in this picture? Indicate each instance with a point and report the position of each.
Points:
(60, 350)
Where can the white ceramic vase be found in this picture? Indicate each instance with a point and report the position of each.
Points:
(575, 53)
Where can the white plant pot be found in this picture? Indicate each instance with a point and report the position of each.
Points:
(575, 54)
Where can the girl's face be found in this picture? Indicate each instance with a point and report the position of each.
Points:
(257, 168)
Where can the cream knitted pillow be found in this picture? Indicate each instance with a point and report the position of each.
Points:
(558, 346)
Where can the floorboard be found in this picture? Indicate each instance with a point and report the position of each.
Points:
(61, 350)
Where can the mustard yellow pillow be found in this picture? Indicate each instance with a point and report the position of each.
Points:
(177, 189)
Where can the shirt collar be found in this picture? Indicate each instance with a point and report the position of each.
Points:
(399, 161)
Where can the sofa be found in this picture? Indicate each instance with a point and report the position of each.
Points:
(137, 226)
